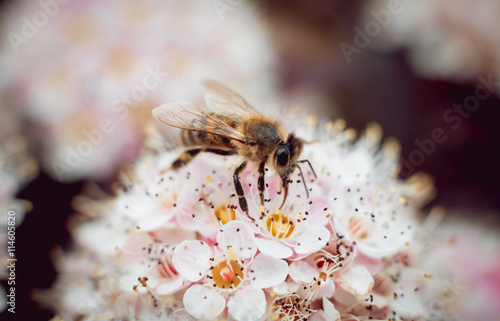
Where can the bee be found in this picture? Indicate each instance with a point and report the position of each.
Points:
(231, 126)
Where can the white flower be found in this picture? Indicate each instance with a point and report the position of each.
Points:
(369, 205)
(235, 272)
(152, 254)
(295, 230)
(208, 200)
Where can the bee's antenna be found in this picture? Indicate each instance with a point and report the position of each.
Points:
(303, 180)
(310, 166)
(302, 174)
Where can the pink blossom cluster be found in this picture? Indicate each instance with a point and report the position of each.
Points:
(175, 244)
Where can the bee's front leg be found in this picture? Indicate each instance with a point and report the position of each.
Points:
(186, 157)
(239, 189)
(189, 154)
(261, 183)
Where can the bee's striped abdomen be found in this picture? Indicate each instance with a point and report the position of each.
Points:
(196, 138)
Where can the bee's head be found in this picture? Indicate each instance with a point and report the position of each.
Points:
(285, 158)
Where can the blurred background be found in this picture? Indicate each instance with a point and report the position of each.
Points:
(79, 79)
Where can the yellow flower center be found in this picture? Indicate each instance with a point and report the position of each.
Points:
(224, 214)
(279, 225)
(227, 274)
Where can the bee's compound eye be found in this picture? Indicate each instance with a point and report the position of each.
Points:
(283, 155)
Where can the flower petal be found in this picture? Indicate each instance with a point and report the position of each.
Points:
(192, 259)
(312, 239)
(301, 271)
(247, 304)
(172, 235)
(268, 271)
(170, 286)
(330, 311)
(152, 222)
(357, 280)
(203, 302)
(273, 248)
(327, 289)
(239, 236)
(285, 288)
(409, 305)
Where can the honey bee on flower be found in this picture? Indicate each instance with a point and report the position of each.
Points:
(234, 127)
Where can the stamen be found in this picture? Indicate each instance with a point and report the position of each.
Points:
(224, 276)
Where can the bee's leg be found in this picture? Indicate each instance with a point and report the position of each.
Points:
(261, 182)
(239, 189)
(189, 154)
(186, 157)
(284, 185)
(222, 152)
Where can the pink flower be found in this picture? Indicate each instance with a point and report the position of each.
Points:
(295, 230)
(229, 270)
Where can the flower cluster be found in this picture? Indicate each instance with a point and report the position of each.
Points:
(175, 244)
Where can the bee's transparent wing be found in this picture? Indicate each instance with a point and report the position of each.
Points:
(223, 100)
(185, 115)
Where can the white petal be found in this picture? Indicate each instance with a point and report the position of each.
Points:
(377, 246)
(170, 286)
(174, 235)
(203, 302)
(97, 237)
(311, 239)
(329, 313)
(301, 271)
(192, 259)
(410, 304)
(152, 222)
(239, 236)
(317, 216)
(273, 248)
(285, 288)
(247, 304)
(268, 271)
(344, 298)
(380, 301)
(327, 289)
(357, 280)
(330, 310)
(318, 316)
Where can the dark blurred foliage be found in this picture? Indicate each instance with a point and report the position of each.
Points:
(43, 229)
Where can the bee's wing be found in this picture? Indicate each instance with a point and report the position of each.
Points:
(223, 100)
(185, 115)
